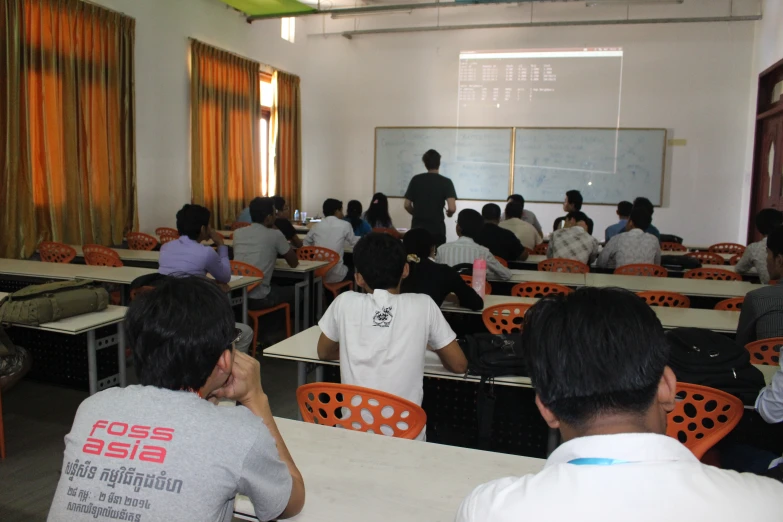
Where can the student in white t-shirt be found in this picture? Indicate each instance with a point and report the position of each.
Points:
(381, 337)
(597, 359)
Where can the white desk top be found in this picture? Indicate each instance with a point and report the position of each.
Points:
(106, 274)
(535, 259)
(358, 477)
(697, 287)
(304, 266)
(670, 253)
(81, 323)
(523, 276)
(126, 254)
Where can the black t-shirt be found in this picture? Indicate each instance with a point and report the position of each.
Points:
(429, 193)
(438, 281)
(285, 226)
(501, 242)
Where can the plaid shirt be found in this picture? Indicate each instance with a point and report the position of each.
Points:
(573, 243)
(628, 248)
(755, 256)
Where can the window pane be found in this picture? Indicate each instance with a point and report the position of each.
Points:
(267, 94)
(263, 139)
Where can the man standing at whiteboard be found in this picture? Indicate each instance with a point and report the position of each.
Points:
(426, 196)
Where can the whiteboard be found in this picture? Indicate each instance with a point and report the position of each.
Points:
(605, 165)
(477, 160)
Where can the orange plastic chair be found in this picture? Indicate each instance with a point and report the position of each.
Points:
(316, 253)
(502, 261)
(731, 305)
(136, 292)
(52, 252)
(765, 352)
(735, 259)
(238, 224)
(469, 280)
(141, 241)
(563, 265)
(529, 251)
(540, 249)
(244, 269)
(727, 248)
(166, 234)
(360, 409)
(505, 318)
(666, 299)
(715, 274)
(535, 289)
(670, 246)
(703, 417)
(97, 255)
(707, 258)
(393, 232)
(642, 269)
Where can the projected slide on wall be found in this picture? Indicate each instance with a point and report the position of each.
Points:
(540, 87)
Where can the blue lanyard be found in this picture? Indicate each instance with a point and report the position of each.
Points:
(596, 462)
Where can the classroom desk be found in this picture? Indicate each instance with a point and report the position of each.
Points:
(523, 276)
(88, 324)
(534, 259)
(128, 255)
(308, 285)
(357, 477)
(693, 287)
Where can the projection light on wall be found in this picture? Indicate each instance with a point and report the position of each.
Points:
(288, 29)
(593, 3)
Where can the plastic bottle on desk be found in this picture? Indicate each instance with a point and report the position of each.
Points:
(296, 216)
(479, 276)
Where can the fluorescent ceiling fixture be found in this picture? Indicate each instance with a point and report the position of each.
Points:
(586, 52)
(336, 14)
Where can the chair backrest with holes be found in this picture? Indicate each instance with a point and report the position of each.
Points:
(735, 259)
(732, 305)
(765, 352)
(393, 232)
(668, 246)
(715, 274)
(52, 252)
(315, 253)
(727, 248)
(360, 409)
(535, 289)
(239, 224)
(642, 269)
(541, 249)
(502, 261)
(707, 258)
(166, 234)
(141, 241)
(563, 265)
(504, 318)
(469, 280)
(97, 255)
(244, 269)
(703, 417)
(666, 299)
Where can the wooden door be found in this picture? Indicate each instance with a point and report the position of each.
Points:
(769, 185)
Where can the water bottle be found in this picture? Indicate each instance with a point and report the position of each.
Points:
(479, 276)
(296, 216)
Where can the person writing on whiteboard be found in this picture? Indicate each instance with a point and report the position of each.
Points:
(427, 194)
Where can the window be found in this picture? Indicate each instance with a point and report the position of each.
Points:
(267, 99)
(288, 29)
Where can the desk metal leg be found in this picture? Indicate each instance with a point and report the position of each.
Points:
(121, 354)
(319, 373)
(297, 303)
(244, 306)
(307, 303)
(553, 441)
(301, 374)
(320, 293)
(92, 363)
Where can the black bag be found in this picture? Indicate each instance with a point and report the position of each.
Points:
(680, 262)
(704, 357)
(670, 238)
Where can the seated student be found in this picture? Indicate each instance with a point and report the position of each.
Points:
(755, 255)
(761, 316)
(377, 214)
(623, 212)
(634, 246)
(425, 276)
(647, 204)
(333, 233)
(283, 221)
(500, 241)
(380, 337)
(182, 336)
(187, 256)
(573, 241)
(527, 216)
(259, 245)
(573, 203)
(354, 216)
(597, 359)
(465, 250)
(525, 232)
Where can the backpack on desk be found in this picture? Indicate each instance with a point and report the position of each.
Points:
(38, 304)
(704, 357)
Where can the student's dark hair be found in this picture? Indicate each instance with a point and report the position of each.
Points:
(578, 216)
(514, 210)
(380, 260)
(594, 351)
(641, 218)
(354, 213)
(491, 212)
(624, 208)
(331, 206)
(644, 203)
(431, 159)
(775, 241)
(516, 198)
(279, 202)
(178, 331)
(419, 242)
(575, 198)
(261, 208)
(471, 222)
(378, 211)
(190, 219)
(768, 219)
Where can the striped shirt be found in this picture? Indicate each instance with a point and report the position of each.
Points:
(464, 251)
(573, 243)
(755, 256)
(629, 248)
(761, 316)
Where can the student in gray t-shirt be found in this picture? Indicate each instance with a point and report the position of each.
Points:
(259, 245)
(160, 451)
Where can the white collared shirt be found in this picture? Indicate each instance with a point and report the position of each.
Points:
(657, 479)
(464, 251)
(332, 233)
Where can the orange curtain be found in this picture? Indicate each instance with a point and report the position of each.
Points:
(67, 130)
(225, 109)
(286, 138)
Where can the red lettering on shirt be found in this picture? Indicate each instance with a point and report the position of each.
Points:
(109, 441)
